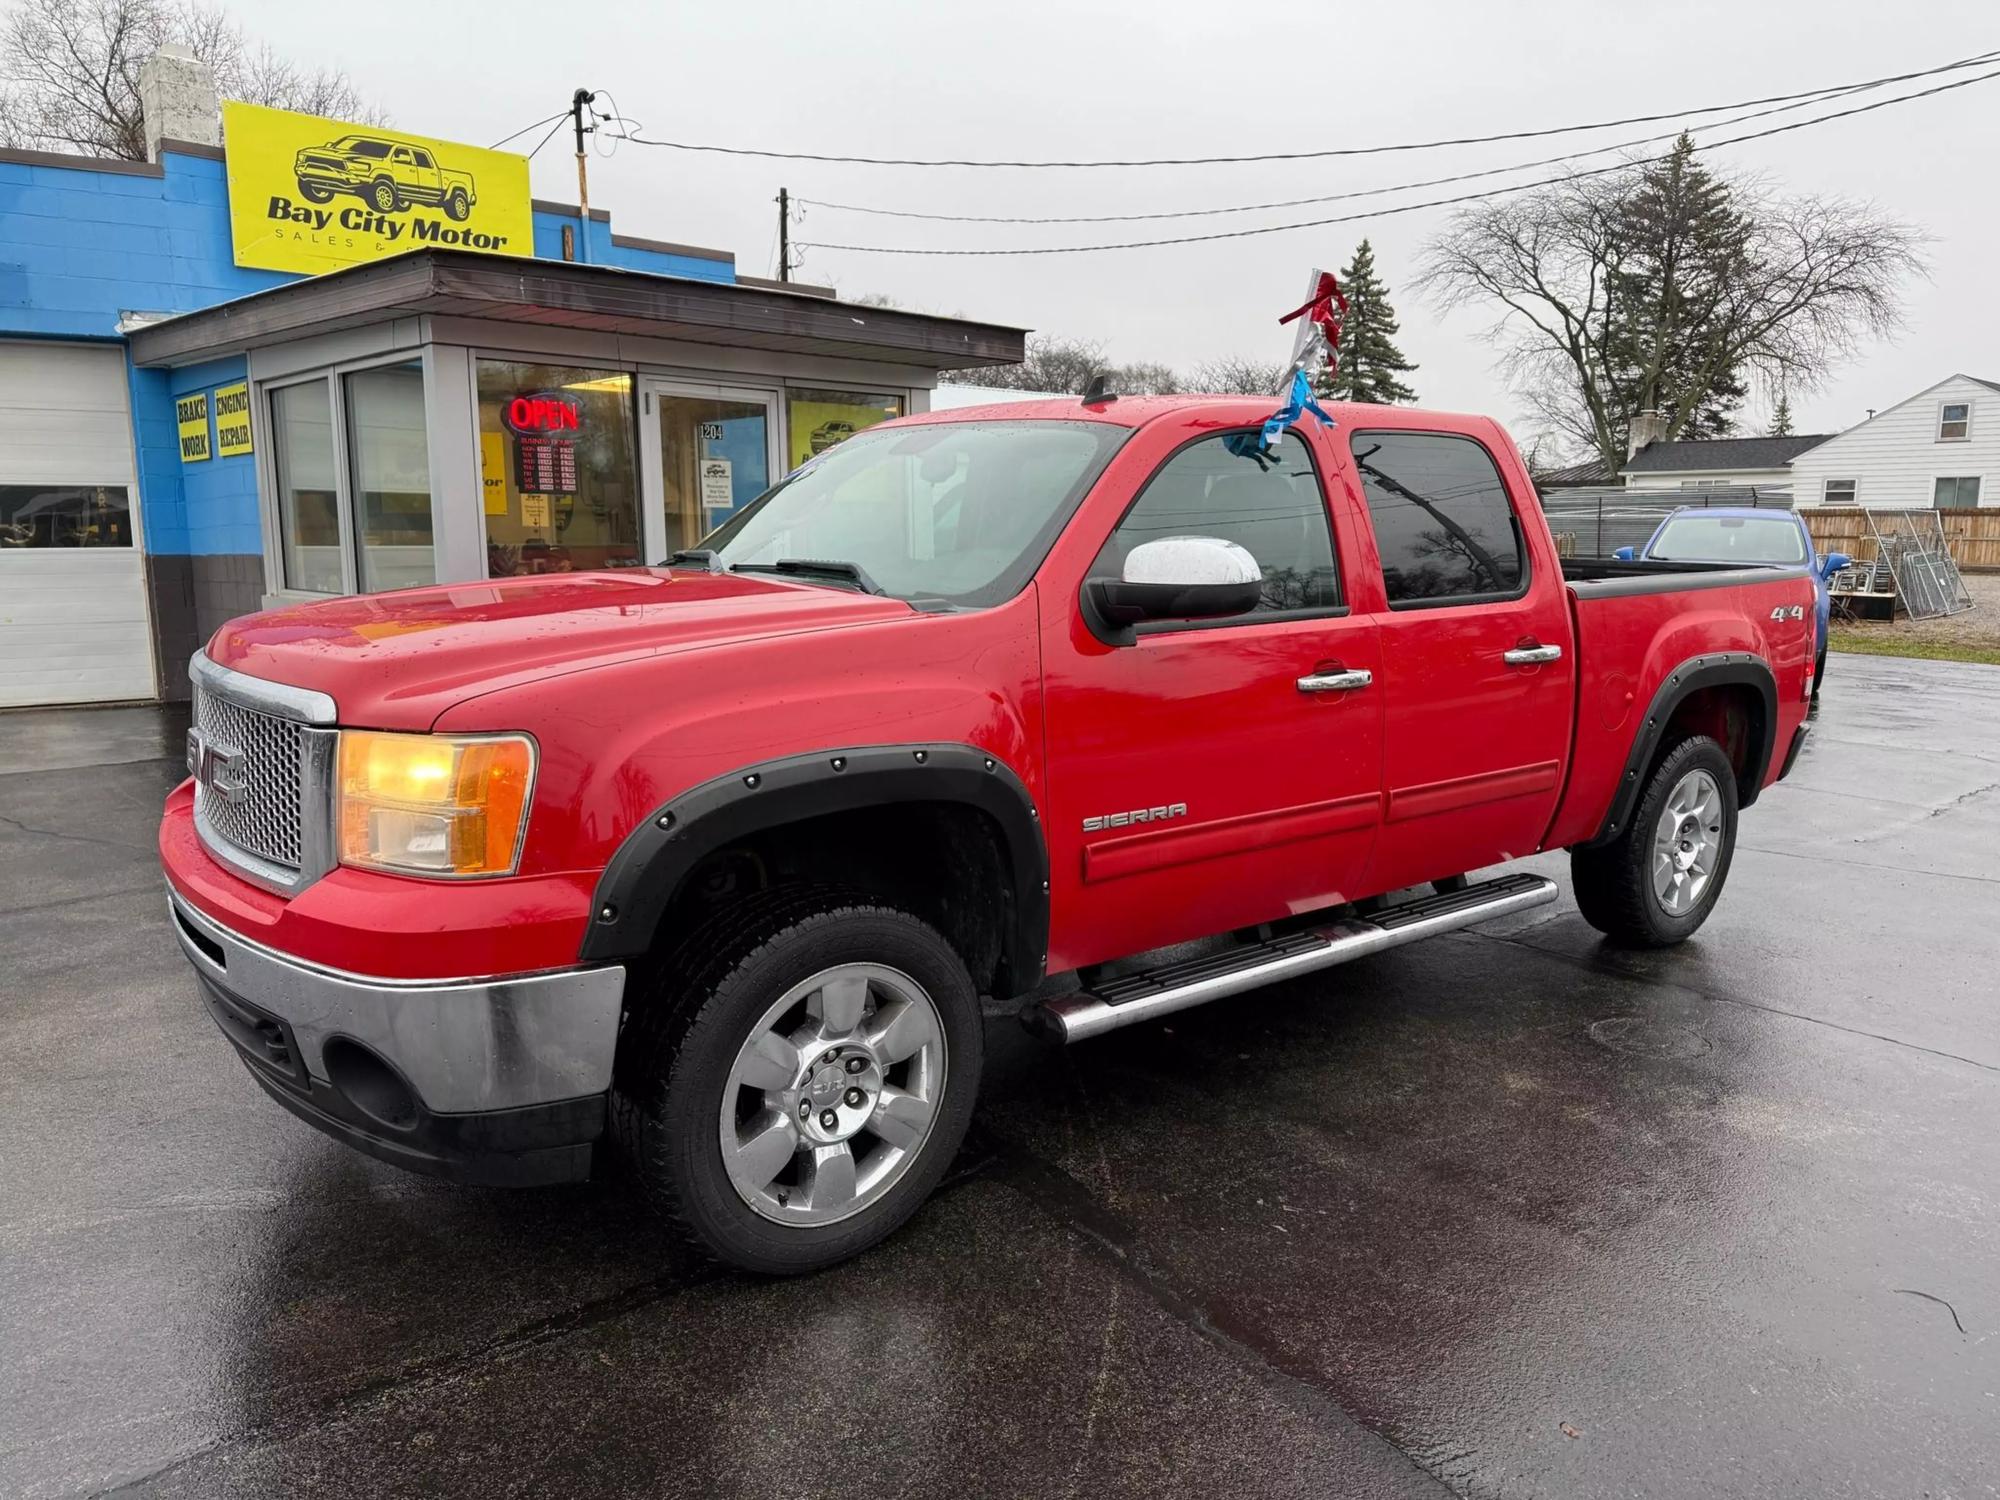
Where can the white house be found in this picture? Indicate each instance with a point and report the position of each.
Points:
(1718, 463)
(1939, 448)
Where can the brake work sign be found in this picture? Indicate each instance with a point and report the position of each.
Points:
(309, 194)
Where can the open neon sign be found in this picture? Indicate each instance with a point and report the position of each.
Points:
(543, 414)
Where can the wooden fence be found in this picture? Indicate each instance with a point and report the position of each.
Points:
(1972, 535)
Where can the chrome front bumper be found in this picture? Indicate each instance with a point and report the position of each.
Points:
(527, 1055)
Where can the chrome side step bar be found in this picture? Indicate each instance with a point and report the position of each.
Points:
(1132, 998)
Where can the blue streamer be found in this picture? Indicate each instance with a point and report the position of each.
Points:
(1297, 403)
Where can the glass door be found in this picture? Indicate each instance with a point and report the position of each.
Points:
(709, 450)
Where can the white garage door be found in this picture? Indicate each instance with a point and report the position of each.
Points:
(73, 618)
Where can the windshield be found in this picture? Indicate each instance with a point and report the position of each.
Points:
(1738, 539)
(958, 511)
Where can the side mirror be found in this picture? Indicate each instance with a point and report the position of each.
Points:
(1833, 562)
(1626, 554)
(1174, 578)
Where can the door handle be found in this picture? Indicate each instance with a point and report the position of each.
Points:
(1528, 656)
(1336, 682)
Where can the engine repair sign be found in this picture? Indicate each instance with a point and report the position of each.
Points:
(308, 194)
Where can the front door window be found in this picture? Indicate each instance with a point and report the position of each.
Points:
(715, 455)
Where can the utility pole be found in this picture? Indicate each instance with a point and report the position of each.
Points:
(784, 235)
(579, 102)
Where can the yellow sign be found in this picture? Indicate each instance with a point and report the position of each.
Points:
(310, 194)
(817, 425)
(232, 420)
(192, 414)
(493, 471)
(535, 511)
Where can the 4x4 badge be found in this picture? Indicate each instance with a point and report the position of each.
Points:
(1796, 612)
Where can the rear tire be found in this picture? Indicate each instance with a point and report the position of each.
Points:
(1655, 883)
(457, 206)
(800, 1082)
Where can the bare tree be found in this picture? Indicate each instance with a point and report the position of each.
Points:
(1055, 364)
(69, 72)
(1237, 376)
(1146, 378)
(1617, 295)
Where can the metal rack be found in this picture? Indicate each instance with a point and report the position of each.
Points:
(1912, 568)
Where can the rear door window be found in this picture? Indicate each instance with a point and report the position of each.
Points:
(1443, 523)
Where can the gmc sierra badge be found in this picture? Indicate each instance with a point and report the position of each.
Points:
(1136, 815)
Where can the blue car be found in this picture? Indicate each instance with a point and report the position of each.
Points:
(1741, 534)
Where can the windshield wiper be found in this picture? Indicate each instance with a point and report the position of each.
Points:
(699, 557)
(809, 567)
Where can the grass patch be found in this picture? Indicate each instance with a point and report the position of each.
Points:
(1870, 644)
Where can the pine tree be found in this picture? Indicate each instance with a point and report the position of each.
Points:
(1682, 242)
(1370, 362)
(1781, 416)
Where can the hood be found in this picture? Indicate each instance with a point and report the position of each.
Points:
(397, 661)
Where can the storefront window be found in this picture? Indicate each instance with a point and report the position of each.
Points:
(64, 515)
(389, 466)
(560, 472)
(817, 419)
(308, 487)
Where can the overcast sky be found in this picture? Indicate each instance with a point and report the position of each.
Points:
(1180, 78)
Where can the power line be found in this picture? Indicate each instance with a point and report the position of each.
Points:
(559, 114)
(1244, 208)
(560, 119)
(1404, 208)
(1201, 161)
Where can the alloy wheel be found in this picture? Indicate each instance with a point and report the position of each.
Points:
(1687, 843)
(833, 1094)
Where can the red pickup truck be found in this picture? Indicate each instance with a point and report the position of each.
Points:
(711, 862)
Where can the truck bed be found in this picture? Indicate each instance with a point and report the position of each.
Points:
(1602, 577)
(1635, 625)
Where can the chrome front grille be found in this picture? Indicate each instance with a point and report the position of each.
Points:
(262, 757)
(263, 818)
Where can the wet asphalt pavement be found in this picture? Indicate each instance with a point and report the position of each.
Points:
(1507, 1213)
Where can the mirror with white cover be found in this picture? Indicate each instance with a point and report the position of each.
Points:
(1174, 578)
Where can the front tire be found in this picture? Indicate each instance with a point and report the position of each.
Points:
(1655, 883)
(383, 194)
(315, 192)
(796, 1090)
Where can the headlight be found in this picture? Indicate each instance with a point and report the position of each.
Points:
(433, 804)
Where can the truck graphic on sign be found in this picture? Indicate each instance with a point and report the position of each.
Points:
(386, 174)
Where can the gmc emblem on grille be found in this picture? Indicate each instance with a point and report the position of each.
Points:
(215, 767)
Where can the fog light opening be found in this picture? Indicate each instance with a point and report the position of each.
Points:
(369, 1083)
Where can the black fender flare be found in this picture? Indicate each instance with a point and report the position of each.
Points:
(657, 856)
(1716, 669)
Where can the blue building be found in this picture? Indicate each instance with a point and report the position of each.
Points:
(190, 440)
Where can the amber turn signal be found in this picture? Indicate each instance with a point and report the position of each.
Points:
(449, 806)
